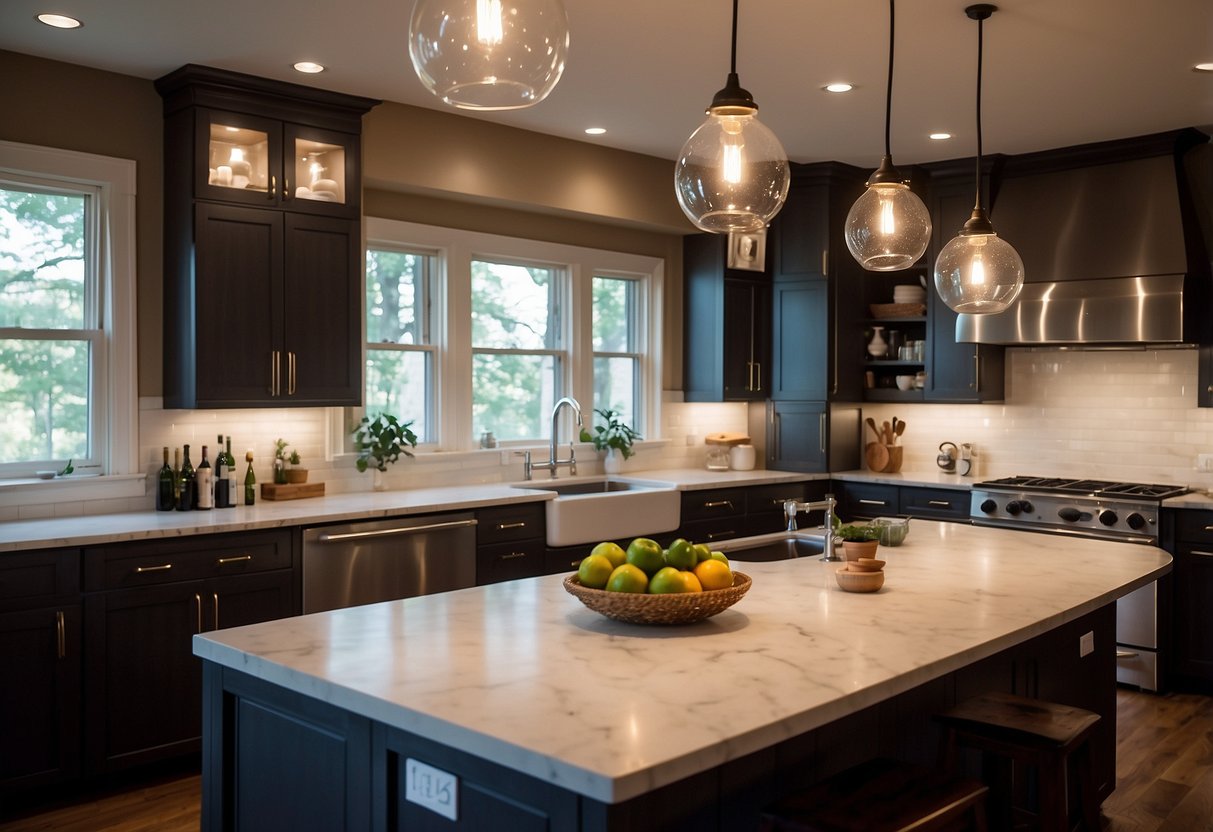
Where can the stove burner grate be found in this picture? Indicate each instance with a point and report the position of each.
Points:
(1103, 488)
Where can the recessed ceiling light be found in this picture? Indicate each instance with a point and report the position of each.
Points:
(940, 136)
(595, 131)
(60, 21)
(309, 67)
(839, 87)
(1207, 66)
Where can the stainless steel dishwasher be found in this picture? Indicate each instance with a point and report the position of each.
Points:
(382, 560)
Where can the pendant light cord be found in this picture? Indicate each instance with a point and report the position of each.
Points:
(888, 102)
(733, 54)
(980, 49)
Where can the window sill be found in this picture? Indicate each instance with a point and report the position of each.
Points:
(75, 488)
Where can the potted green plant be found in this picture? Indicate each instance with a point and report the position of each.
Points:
(859, 540)
(380, 442)
(295, 474)
(613, 436)
(280, 461)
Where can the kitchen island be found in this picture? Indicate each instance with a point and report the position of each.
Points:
(546, 715)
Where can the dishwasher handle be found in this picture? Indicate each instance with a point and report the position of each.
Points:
(429, 527)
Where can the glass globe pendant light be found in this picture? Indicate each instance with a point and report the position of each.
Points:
(732, 174)
(489, 54)
(978, 273)
(888, 227)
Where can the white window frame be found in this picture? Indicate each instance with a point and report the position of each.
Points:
(452, 323)
(113, 182)
(638, 329)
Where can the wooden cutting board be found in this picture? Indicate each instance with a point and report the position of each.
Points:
(876, 456)
(272, 491)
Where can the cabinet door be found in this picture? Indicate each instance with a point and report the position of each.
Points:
(40, 659)
(801, 234)
(858, 500)
(237, 158)
(1193, 599)
(746, 368)
(235, 331)
(800, 332)
(322, 347)
(247, 599)
(934, 503)
(323, 175)
(797, 438)
(144, 683)
(508, 561)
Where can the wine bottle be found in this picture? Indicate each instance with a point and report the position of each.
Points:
(187, 496)
(165, 497)
(176, 475)
(233, 493)
(250, 482)
(206, 493)
(220, 475)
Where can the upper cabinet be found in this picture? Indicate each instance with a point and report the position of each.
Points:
(726, 325)
(263, 242)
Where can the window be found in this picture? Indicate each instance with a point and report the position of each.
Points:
(517, 362)
(67, 322)
(617, 345)
(501, 328)
(400, 350)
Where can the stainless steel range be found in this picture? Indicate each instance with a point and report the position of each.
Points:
(1121, 511)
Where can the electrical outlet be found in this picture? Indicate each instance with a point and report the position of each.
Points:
(433, 788)
(1086, 644)
(1204, 462)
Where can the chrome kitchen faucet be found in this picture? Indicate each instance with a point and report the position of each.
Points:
(791, 507)
(553, 464)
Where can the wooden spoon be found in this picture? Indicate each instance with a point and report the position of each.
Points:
(876, 455)
(901, 428)
(887, 437)
(875, 430)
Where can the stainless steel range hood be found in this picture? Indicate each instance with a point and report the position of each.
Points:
(1113, 251)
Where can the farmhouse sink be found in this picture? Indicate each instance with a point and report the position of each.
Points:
(593, 509)
(766, 547)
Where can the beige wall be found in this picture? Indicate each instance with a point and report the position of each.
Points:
(420, 165)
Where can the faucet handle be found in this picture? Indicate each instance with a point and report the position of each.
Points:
(526, 463)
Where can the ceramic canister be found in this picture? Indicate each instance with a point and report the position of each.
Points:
(741, 457)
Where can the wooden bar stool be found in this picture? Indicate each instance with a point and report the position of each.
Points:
(881, 795)
(1011, 729)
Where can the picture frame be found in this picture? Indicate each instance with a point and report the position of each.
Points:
(748, 250)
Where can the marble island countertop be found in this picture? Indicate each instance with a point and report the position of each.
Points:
(521, 673)
(362, 505)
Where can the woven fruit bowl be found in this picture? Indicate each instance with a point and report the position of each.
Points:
(673, 608)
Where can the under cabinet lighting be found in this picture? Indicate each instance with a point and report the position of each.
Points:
(60, 21)
(309, 67)
(839, 87)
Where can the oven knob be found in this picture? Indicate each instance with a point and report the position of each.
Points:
(1026, 506)
(1070, 515)
(1135, 521)
(1014, 507)
(989, 506)
(1107, 517)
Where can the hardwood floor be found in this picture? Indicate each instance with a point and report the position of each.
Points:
(1164, 780)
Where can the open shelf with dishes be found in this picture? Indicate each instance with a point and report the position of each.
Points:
(895, 335)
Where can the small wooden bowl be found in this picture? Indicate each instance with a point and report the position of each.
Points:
(852, 581)
(865, 565)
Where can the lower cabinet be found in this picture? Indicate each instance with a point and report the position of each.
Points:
(143, 604)
(40, 666)
(1192, 580)
(934, 503)
(509, 543)
(865, 500)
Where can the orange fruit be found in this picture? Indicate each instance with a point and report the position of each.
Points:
(611, 551)
(594, 571)
(627, 578)
(713, 574)
(645, 554)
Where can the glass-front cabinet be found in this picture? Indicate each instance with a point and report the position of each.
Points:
(260, 161)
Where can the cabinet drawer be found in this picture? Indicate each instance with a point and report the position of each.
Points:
(708, 505)
(27, 577)
(509, 523)
(178, 559)
(939, 503)
(866, 500)
(507, 561)
(770, 498)
(1194, 526)
(709, 531)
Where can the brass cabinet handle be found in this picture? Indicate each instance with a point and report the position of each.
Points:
(234, 559)
(873, 502)
(503, 526)
(164, 567)
(1209, 528)
(513, 556)
(290, 373)
(718, 504)
(943, 503)
(1200, 553)
(61, 634)
(718, 535)
(976, 371)
(271, 194)
(275, 372)
(215, 610)
(825, 261)
(198, 610)
(758, 372)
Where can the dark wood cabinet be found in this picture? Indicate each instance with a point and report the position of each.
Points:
(865, 500)
(40, 666)
(800, 334)
(726, 329)
(798, 436)
(142, 678)
(1192, 582)
(962, 373)
(510, 543)
(262, 242)
(934, 503)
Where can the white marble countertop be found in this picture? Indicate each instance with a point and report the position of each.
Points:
(362, 505)
(932, 479)
(521, 673)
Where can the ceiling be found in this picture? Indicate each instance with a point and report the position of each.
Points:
(1056, 73)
